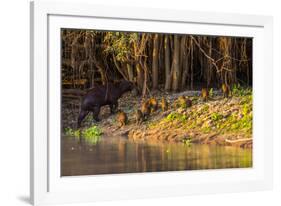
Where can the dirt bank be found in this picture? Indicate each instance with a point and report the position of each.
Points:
(218, 121)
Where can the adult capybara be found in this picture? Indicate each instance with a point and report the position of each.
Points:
(102, 95)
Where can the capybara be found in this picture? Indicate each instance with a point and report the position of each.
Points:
(225, 90)
(145, 109)
(188, 103)
(102, 95)
(205, 94)
(164, 104)
(153, 104)
(181, 101)
(122, 118)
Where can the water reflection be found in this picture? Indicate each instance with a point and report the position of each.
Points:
(118, 155)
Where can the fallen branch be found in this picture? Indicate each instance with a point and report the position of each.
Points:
(238, 140)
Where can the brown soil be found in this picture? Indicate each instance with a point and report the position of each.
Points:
(173, 134)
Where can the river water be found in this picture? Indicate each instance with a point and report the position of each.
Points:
(119, 155)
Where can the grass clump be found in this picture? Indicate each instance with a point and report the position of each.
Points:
(208, 119)
(240, 122)
(243, 124)
(216, 116)
(93, 131)
(211, 92)
(176, 116)
(239, 91)
(71, 132)
(91, 135)
(187, 142)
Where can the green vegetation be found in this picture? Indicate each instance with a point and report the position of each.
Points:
(187, 142)
(211, 92)
(91, 135)
(71, 132)
(239, 91)
(176, 116)
(216, 116)
(93, 131)
(222, 116)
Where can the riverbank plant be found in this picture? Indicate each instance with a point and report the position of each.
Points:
(91, 135)
(221, 116)
(239, 91)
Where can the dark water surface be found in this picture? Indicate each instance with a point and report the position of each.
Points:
(119, 155)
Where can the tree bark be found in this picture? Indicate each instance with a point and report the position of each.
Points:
(140, 77)
(130, 72)
(182, 60)
(118, 67)
(176, 66)
(191, 64)
(167, 63)
(145, 68)
(155, 62)
(185, 64)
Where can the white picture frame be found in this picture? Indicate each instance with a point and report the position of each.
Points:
(47, 186)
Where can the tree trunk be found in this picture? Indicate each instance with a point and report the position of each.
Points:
(225, 48)
(130, 72)
(145, 68)
(118, 67)
(209, 67)
(155, 62)
(191, 64)
(176, 66)
(167, 63)
(102, 73)
(185, 64)
(182, 60)
(140, 77)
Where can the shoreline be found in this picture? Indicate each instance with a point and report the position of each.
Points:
(219, 121)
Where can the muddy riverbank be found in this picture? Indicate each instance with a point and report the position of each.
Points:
(219, 121)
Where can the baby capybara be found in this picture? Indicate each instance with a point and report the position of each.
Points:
(164, 104)
(225, 90)
(205, 94)
(188, 103)
(122, 118)
(139, 116)
(145, 109)
(153, 104)
(183, 102)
